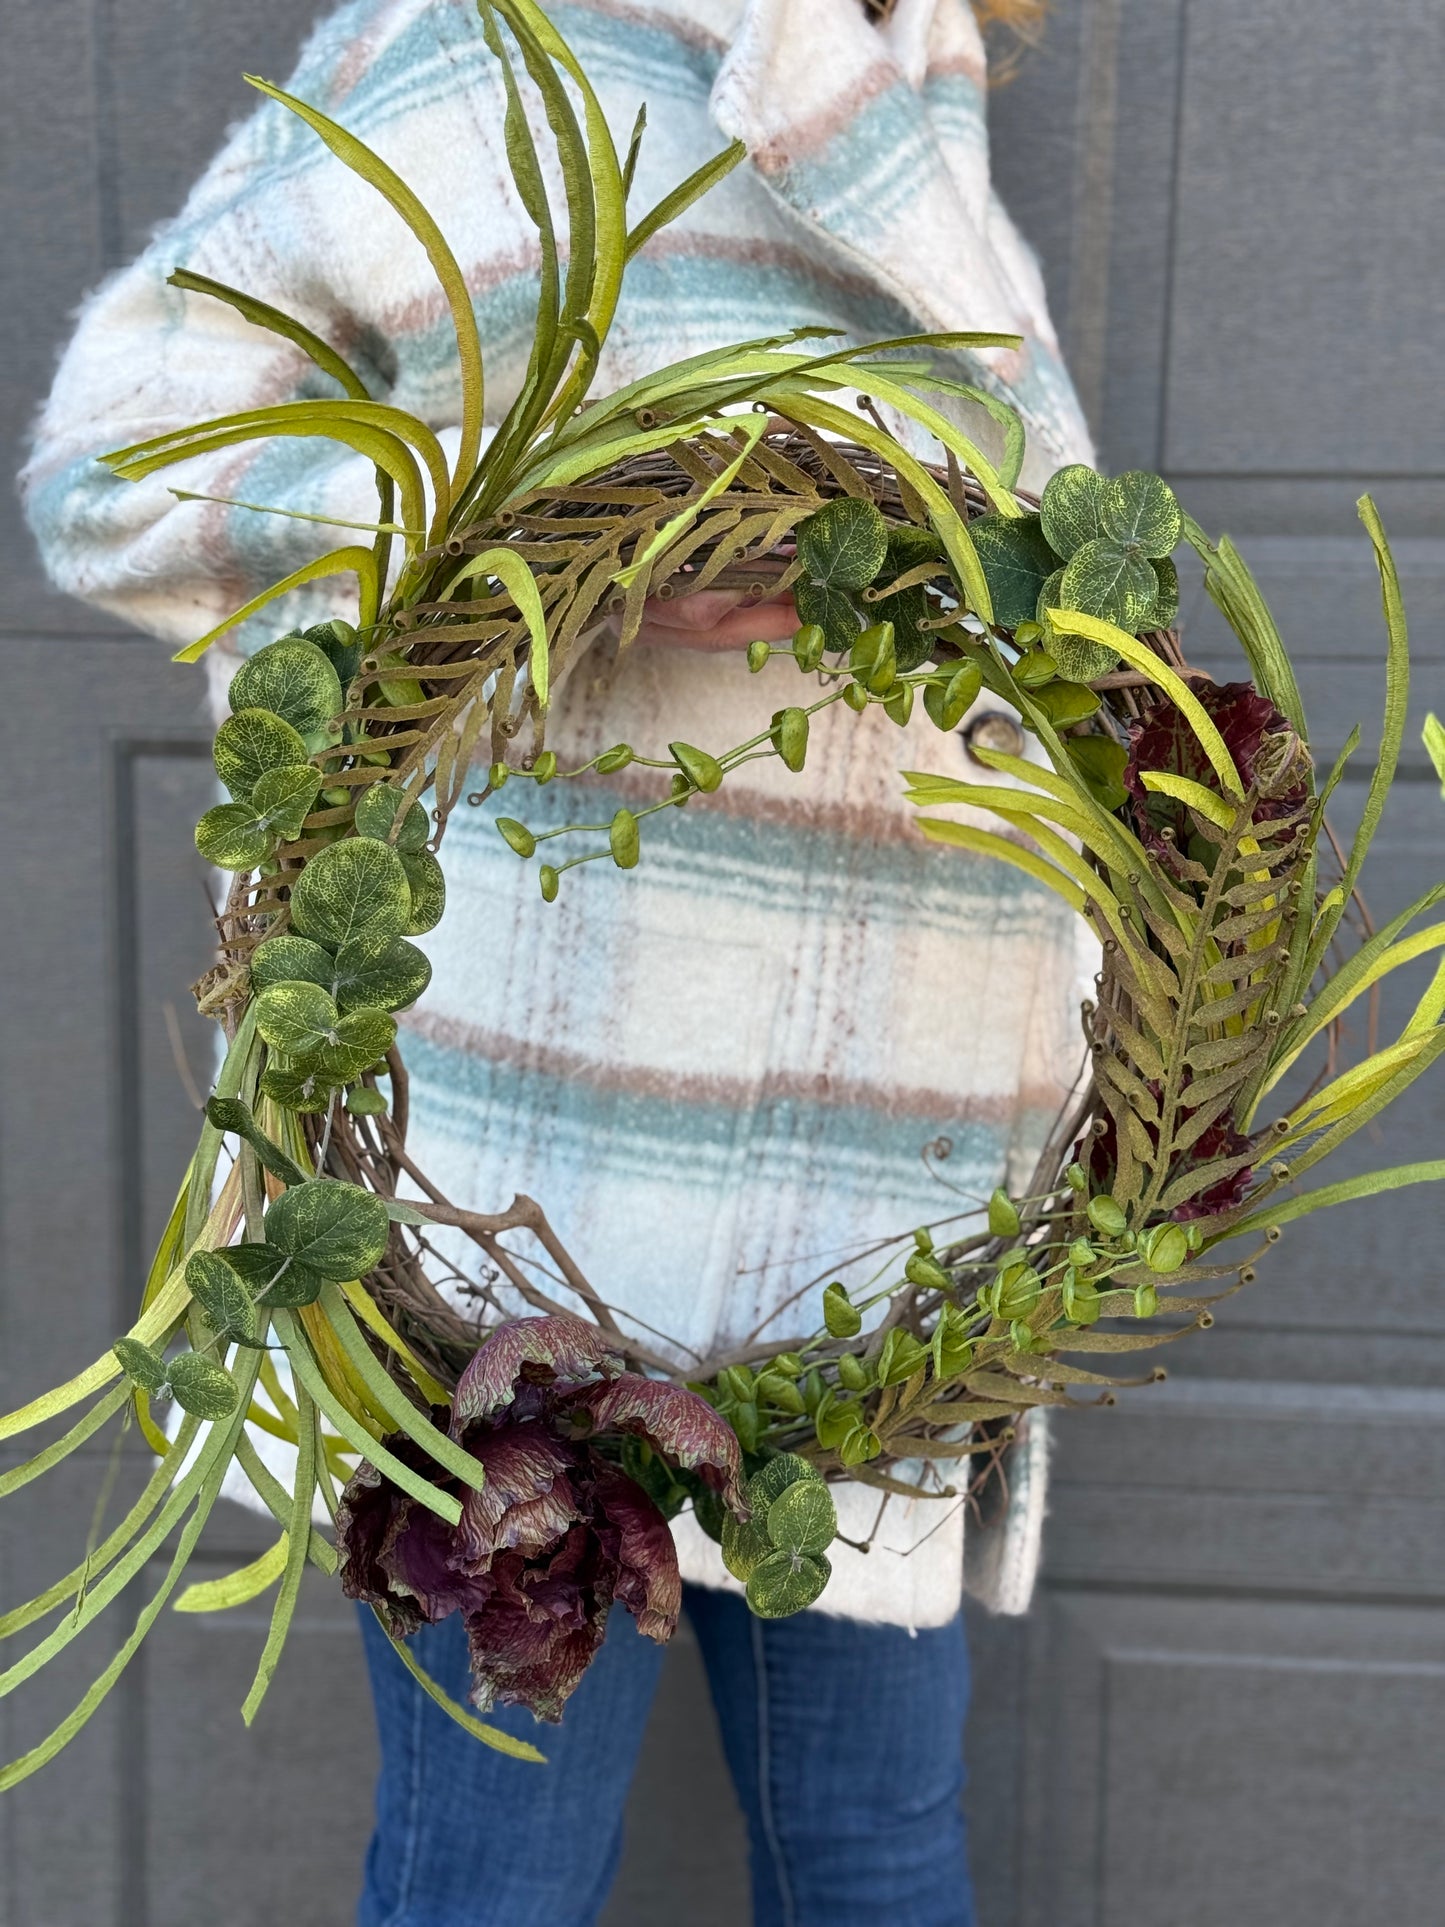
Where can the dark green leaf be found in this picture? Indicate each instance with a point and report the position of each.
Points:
(218, 1290)
(376, 813)
(289, 959)
(1165, 606)
(341, 646)
(356, 888)
(843, 545)
(785, 1583)
(428, 892)
(387, 973)
(828, 609)
(1101, 762)
(297, 1018)
(333, 1227)
(1111, 580)
(908, 548)
(744, 1545)
(141, 1363)
(357, 1042)
(297, 1089)
(234, 1115)
(1141, 508)
(233, 838)
(1070, 509)
(274, 1279)
(1016, 562)
(781, 1471)
(249, 744)
(802, 1518)
(282, 798)
(202, 1387)
(294, 680)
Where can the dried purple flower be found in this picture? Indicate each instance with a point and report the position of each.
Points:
(557, 1533)
(1267, 753)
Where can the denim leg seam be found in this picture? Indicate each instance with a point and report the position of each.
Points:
(397, 1917)
(765, 1768)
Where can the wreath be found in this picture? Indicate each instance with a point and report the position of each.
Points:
(471, 1459)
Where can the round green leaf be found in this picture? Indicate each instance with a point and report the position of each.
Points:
(1111, 580)
(218, 1290)
(233, 838)
(333, 1227)
(1016, 562)
(282, 798)
(844, 544)
(428, 889)
(1080, 660)
(386, 973)
(744, 1545)
(294, 680)
(376, 813)
(297, 1018)
(273, 1278)
(355, 888)
(202, 1387)
(786, 1582)
(297, 1089)
(358, 1040)
(831, 610)
(1141, 508)
(340, 645)
(1069, 510)
(803, 1518)
(780, 1472)
(249, 744)
(143, 1365)
(289, 959)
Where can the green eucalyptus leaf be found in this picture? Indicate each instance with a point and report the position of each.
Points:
(249, 744)
(294, 680)
(843, 545)
(376, 813)
(781, 1471)
(1070, 509)
(802, 1518)
(283, 797)
(297, 1018)
(291, 959)
(1165, 607)
(333, 1227)
(218, 1290)
(387, 973)
(356, 1043)
(1016, 562)
(710, 1512)
(744, 1545)
(1141, 508)
(233, 1114)
(233, 838)
(202, 1387)
(274, 1278)
(1109, 579)
(428, 892)
(785, 1583)
(1078, 660)
(298, 1088)
(141, 1363)
(831, 610)
(355, 888)
(341, 646)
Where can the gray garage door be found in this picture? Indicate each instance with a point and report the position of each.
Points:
(1227, 1705)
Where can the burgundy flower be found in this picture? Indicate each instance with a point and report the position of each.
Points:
(1100, 1156)
(1266, 750)
(558, 1531)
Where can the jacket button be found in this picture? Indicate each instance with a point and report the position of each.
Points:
(992, 730)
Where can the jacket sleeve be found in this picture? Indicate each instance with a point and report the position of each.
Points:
(277, 216)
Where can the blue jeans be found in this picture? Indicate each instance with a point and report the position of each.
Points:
(843, 1740)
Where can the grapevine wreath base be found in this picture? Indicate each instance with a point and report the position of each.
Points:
(521, 1470)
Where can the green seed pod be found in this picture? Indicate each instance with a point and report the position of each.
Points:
(497, 775)
(842, 1318)
(1067, 703)
(1165, 1248)
(1022, 1337)
(836, 1418)
(548, 879)
(898, 703)
(872, 659)
(623, 840)
(856, 696)
(746, 1422)
(814, 1391)
(949, 702)
(545, 767)
(790, 736)
(1146, 1301)
(923, 1238)
(1017, 1290)
(853, 1374)
(789, 1364)
(736, 1382)
(758, 654)
(618, 757)
(860, 1446)
(1195, 1237)
(1080, 1299)
(808, 646)
(363, 1101)
(1082, 1254)
(902, 1355)
(704, 772)
(1034, 669)
(775, 1389)
(1106, 1216)
(1028, 633)
(925, 1272)
(681, 791)
(951, 1349)
(1003, 1217)
(1077, 1178)
(517, 834)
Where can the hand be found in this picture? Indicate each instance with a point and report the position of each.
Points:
(716, 619)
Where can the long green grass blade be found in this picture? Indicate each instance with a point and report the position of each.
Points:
(103, 1409)
(236, 1588)
(348, 561)
(1371, 1185)
(297, 1535)
(680, 198)
(521, 585)
(1235, 593)
(361, 160)
(263, 315)
(489, 1735)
